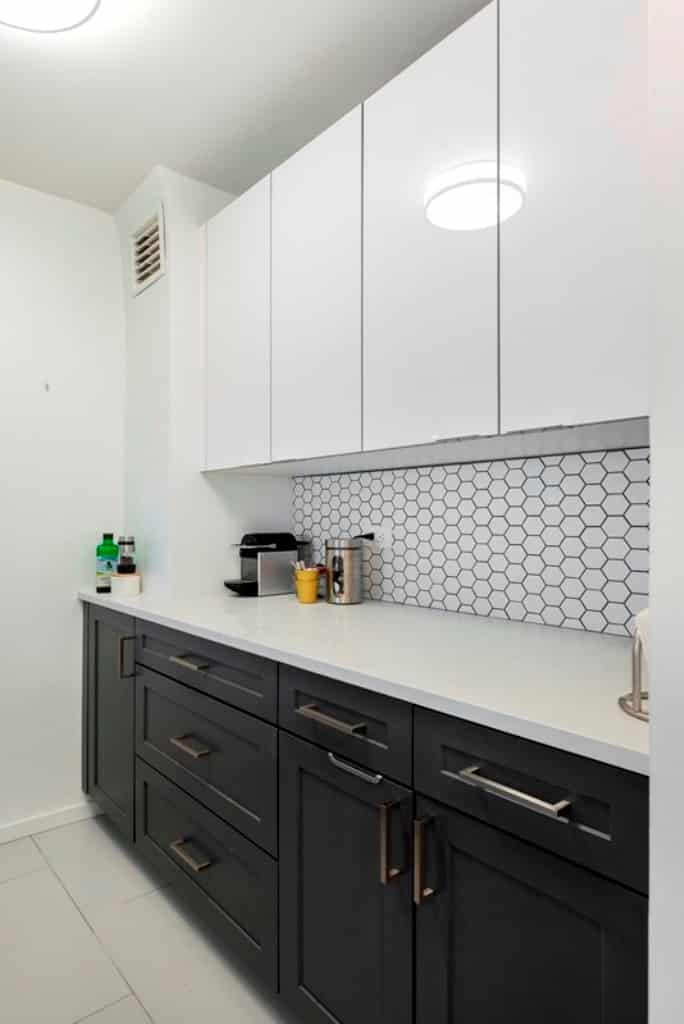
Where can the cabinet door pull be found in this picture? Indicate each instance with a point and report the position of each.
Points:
(358, 773)
(314, 713)
(387, 873)
(185, 661)
(123, 640)
(190, 746)
(196, 864)
(421, 892)
(471, 777)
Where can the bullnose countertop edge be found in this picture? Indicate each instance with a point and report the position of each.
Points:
(553, 686)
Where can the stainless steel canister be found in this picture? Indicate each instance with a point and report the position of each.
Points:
(344, 562)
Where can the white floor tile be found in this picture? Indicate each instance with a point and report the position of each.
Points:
(128, 1011)
(52, 968)
(97, 868)
(175, 970)
(19, 858)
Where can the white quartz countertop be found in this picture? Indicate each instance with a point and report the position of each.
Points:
(556, 686)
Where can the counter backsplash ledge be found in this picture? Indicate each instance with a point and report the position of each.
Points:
(561, 540)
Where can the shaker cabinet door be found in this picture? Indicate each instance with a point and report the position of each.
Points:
(109, 710)
(430, 293)
(239, 332)
(316, 346)
(506, 932)
(574, 332)
(345, 937)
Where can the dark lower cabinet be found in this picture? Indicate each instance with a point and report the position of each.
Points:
(229, 881)
(345, 881)
(509, 895)
(109, 709)
(507, 932)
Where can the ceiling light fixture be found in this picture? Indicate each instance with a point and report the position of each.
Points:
(467, 198)
(46, 15)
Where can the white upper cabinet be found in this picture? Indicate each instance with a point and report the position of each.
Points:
(238, 332)
(316, 296)
(430, 293)
(574, 334)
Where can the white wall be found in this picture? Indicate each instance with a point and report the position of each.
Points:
(61, 477)
(147, 396)
(183, 521)
(666, 116)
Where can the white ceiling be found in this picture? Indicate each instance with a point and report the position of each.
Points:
(216, 89)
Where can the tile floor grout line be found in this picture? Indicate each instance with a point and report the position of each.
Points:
(40, 852)
(24, 874)
(108, 1006)
(131, 990)
(34, 838)
(148, 892)
(90, 929)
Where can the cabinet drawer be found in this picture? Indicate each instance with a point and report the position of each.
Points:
(230, 882)
(588, 812)
(222, 757)
(235, 677)
(363, 726)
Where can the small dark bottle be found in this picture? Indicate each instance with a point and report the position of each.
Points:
(126, 564)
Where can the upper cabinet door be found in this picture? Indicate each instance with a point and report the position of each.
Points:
(430, 293)
(574, 335)
(239, 332)
(316, 341)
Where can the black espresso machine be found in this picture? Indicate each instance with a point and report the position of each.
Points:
(266, 564)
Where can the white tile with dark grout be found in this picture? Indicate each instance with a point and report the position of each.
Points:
(558, 540)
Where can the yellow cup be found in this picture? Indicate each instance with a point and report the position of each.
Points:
(306, 585)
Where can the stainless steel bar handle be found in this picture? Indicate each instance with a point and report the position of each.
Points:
(184, 661)
(190, 746)
(358, 773)
(194, 863)
(387, 873)
(314, 714)
(421, 892)
(123, 640)
(471, 777)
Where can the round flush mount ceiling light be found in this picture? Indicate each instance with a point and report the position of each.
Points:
(467, 198)
(46, 15)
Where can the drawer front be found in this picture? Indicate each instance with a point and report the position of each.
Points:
(223, 757)
(588, 812)
(235, 677)
(365, 727)
(230, 882)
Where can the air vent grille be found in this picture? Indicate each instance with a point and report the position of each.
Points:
(148, 256)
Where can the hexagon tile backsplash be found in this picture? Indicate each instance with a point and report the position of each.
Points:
(561, 540)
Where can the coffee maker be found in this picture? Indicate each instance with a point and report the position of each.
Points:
(266, 564)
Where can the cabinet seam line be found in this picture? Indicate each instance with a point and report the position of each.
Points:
(498, 216)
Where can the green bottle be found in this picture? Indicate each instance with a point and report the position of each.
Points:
(107, 555)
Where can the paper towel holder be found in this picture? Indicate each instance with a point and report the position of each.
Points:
(633, 703)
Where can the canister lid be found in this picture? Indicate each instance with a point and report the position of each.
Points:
(343, 544)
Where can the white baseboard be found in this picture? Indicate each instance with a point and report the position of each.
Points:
(45, 822)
